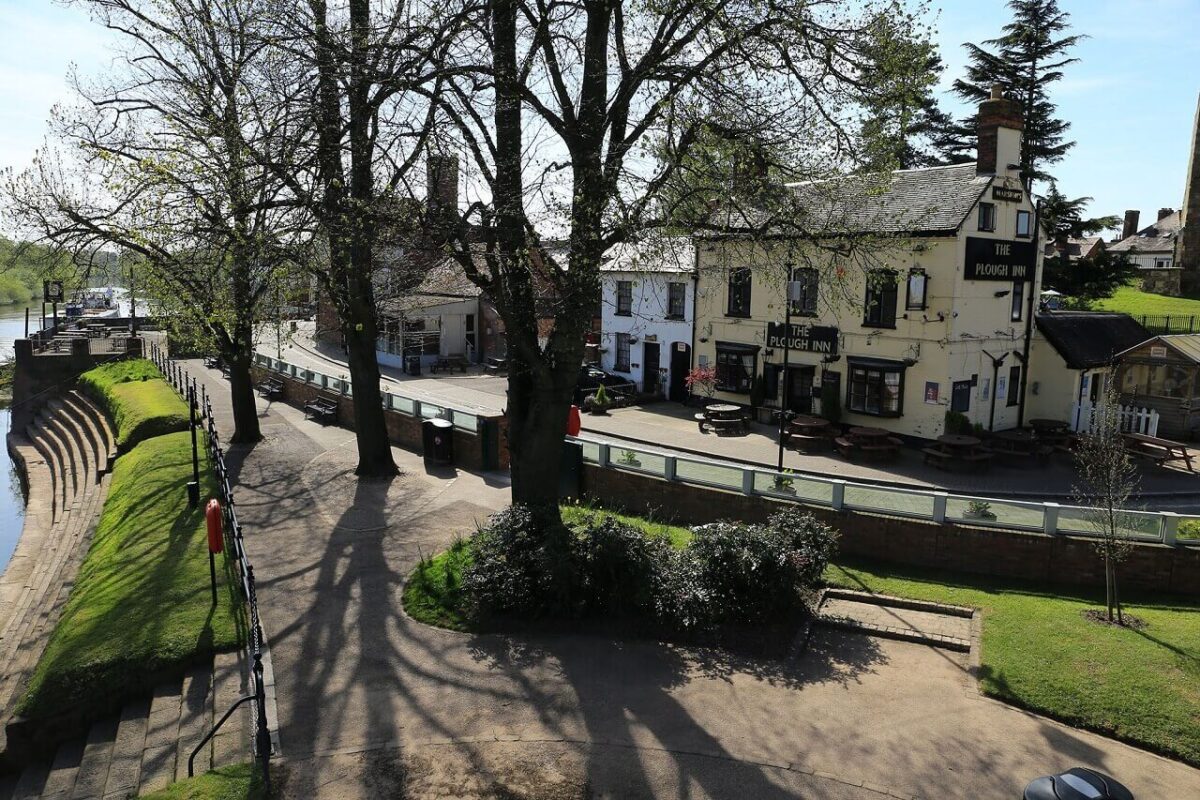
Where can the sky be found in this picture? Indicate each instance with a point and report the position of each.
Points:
(1131, 99)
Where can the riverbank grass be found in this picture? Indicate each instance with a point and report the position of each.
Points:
(237, 782)
(141, 607)
(1039, 652)
(141, 404)
(1135, 302)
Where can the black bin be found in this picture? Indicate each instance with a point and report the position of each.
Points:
(437, 437)
(1077, 783)
(412, 365)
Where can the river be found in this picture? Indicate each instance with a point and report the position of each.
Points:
(12, 503)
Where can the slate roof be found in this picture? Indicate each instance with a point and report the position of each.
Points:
(1090, 338)
(672, 254)
(1157, 238)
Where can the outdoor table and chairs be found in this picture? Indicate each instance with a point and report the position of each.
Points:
(1020, 447)
(808, 434)
(722, 419)
(871, 443)
(955, 450)
(1157, 450)
(1053, 432)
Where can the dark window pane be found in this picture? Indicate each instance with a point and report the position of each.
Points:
(739, 292)
(625, 298)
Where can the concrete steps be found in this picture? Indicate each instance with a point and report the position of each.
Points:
(146, 747)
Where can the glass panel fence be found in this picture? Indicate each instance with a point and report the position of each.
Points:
(637, 460)
(429, 410)
(1189, 531)
(591, 451)
(1001, 513)
(793, 487)
(889, 501)
(707, 472)
(1134, 524)
(465, 421)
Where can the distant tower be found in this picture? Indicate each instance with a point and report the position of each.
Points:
(1188, 253)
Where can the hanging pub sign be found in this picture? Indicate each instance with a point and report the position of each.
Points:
(1007, 195)
(52, 291)
(998, 260)
(804, 338)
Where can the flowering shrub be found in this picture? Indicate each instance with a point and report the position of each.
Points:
(702, 380)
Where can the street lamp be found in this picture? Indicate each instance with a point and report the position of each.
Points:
(793, 296)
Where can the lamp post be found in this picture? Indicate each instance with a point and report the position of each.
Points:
(194, 486)
(792, 294)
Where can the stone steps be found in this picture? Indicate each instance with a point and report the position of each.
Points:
(946, 627)
(146, 746)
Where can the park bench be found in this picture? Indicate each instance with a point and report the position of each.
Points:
(271, 388)
(1157, 450)
(496, 366)
(323, 408)
(447, 363)
(213, 362)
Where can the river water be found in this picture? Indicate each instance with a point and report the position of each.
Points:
(12, 504)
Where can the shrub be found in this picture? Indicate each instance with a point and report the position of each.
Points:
(520, 565)
(617, 568)
(757, 573)
(958, 424)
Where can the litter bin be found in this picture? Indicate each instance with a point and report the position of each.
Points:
(437, 436)
(1077, 783)
(412, 365)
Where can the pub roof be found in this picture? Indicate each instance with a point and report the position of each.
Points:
(1088, 339)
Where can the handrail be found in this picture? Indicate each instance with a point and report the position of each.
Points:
(185, 385)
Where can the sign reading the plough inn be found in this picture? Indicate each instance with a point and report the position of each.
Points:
(804, 338)
(998, 260)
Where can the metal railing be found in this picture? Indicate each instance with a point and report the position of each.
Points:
(463, 418)
(185, 384)
(1169, 323)
(841, 495)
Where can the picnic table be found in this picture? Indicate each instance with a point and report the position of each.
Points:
(871, 443)
(955, 450)
(722, 418)
(1157, 450)
(808, 434)
(1020, 446)
(447, 363)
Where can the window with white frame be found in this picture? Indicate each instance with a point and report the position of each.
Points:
(1024, 224)
(624, 298)
(621, 360)
(918, 283)
(875, 389)
(803, 291)
(987, 216)
(676, 299)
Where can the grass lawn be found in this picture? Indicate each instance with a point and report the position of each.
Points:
(1040, 653)
(140, 402)
(141, 606)
(238, 782)
(433, 594)
(1136, 302)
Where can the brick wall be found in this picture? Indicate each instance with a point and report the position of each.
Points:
(1056, 559)
(470, 449)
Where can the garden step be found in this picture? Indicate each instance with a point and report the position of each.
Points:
(123, 772)
(98, 418)
(84, 449)
(75, 404)
(97, 757)
(64, 770)
(73, 458)
(232, 744)
(162, 734)
(32, 782)
(65, 464)
(883, 617)
(38, 439)
(195, 720)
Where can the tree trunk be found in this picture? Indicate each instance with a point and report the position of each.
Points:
(241, 394)
(1108, 587)
(1117, 597)
(370, 426)
(535, 436)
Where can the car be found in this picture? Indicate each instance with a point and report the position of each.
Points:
(592, 377)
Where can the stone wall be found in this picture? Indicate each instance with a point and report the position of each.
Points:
(39, 376)
(1059, 559)
(485, 450)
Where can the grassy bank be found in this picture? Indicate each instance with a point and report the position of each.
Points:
(1040, 653)
(142, 405)
(1136, 302)
(238, 782)
(141, 605)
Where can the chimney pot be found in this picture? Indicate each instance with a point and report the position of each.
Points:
(996, 112)
(1131, 223)
(1165, 212)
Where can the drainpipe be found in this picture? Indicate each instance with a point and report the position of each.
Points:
(1037, 216)
(996, 362)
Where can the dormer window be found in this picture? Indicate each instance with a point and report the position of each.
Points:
(987, 216)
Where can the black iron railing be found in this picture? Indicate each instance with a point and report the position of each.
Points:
(1169, 323)
(185, 384)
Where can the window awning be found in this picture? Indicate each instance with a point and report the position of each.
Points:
(738, 347)
(875, 363)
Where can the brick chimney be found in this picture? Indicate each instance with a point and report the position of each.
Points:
(999, 125)
(1131, 223)
(1188, 253)
(441, 183)
(1165, 212)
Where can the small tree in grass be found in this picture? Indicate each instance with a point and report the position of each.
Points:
(1107, 478)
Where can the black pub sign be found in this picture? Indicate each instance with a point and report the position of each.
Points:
(999, 260)
(1007, 195)
(804, 338)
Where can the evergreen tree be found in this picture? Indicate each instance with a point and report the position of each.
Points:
(903, 127)
(1083, 281)
(1026, 60)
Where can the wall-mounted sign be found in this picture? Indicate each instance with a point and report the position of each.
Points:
(998, 260)
(52, 291)
(1007, 195)
(1158, 351)
(804, 338)
(931, 393)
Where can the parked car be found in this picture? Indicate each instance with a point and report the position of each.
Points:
(591, 377)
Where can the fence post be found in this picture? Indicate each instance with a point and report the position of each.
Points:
(1050, 518)
(603, 456)
(838, 500)
(669, 468)
(1170, 528)
(747, 481)
(939, 507)
(417, 409)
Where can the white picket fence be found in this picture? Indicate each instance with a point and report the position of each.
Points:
(1133, 419)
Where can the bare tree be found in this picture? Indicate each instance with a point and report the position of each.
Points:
(580, 117)
(155, 163)
(1107, 480)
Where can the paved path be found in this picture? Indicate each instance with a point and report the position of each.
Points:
(371, 702)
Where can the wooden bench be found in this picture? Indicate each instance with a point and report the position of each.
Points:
(806, 442)
(937, 457)
(1157, 450)
(271, 388)
(497, 366)
(323, 408)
